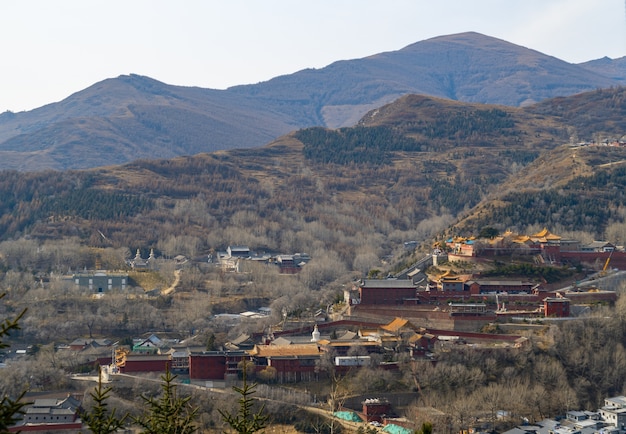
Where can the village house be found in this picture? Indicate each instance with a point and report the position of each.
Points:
(149, 345)
(230, 260)
(598, 246)
(238, 251)
(287, 264)
(614, 411)
(610, 419)
(100, 281)
(50, 414)
(82, 344)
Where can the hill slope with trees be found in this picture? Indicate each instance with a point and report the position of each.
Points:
(407, 169)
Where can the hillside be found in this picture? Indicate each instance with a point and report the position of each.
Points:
(404, 173)
(126, 118)
(569, 189)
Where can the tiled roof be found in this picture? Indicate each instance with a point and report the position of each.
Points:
(396, 324)
(387, 283)
(285, 350)
(360, 343)
(545, 234)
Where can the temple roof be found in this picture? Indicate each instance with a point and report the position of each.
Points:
(285, 350)
(545, 233)
(396, 324)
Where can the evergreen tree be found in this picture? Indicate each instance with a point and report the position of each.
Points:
(11, 410)
(210, 344)
(427, 428)
(99, 420)
(245, 422)
(169, 414)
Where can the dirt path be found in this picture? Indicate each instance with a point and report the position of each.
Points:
(171, 289)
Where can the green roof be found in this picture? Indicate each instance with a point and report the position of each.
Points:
(396, 429)
(348, 415)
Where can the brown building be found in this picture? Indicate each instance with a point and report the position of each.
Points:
(292, 362)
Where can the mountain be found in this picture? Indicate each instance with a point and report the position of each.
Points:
(615, 69)
(466, 67)
(130, 117)
(407, 169)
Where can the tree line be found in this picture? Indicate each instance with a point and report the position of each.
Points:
(358, 145)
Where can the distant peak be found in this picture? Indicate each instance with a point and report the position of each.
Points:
(145, 84)
(465, 38)
(462, 35)
(134, 78)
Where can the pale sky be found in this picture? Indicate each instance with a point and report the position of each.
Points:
(53, 48)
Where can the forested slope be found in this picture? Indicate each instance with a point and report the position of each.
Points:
(414, 164)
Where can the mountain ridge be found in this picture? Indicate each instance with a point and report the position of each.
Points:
(129, 117)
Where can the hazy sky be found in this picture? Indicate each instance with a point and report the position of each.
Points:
(53, 48)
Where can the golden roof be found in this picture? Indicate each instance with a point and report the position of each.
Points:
(387, 339)
(359, 343)
(414, 338)
(285, 350)
(447, 273)
(545, 233)
(396, 324)
(368, 332)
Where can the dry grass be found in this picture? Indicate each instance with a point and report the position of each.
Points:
(148, 280)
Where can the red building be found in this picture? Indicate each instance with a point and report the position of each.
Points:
(215, 365)
(387, 291)
(376, 409)
(287, 264)
(556, 307)
(144, 363)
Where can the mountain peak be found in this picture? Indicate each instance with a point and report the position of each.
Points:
(472, 39)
